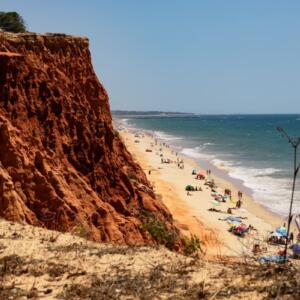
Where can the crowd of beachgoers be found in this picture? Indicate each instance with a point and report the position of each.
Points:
(228, 205)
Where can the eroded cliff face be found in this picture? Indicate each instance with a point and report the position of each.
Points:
(62, 165)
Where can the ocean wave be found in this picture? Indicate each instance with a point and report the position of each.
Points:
(125, 122)
(268, 188)
(195, 153)
(165, 136)
(219, 163)
(272, 192)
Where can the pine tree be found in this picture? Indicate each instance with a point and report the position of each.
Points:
(12, 22)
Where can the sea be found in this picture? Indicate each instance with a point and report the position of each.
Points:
(245, 149)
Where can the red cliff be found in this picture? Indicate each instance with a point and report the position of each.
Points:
(62, 165)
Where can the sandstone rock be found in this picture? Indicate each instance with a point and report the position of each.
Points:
(62, 165)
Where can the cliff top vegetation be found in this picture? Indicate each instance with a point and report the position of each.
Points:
(12, 22)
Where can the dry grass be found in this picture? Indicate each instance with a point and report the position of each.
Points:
(37, 266)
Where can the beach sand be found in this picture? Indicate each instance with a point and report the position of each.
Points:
(190, 212)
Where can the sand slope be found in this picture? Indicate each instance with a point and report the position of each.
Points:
(41, 264)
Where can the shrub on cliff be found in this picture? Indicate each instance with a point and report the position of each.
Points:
(159, 231)
(191, 245)
(12, 22)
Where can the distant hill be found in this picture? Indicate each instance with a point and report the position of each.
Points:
(135, 113)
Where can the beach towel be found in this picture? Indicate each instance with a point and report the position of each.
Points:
(296, 249)
(233, 201)
(271, 258)
(226, 197)
(233, 223)
(234, 218)
(276, 234)
(215, 202)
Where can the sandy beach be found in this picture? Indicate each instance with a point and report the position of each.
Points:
(191, 212)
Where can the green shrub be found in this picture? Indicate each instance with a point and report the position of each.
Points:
(159, 231)
(81, 231)
(12, 22)
(191, 245)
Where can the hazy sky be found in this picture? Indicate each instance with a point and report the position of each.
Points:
(196, 56)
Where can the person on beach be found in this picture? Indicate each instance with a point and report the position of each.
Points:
(238, 204)
(149, 172)
(291, 239)
(298, 237)
(256, 249)
(240, 194)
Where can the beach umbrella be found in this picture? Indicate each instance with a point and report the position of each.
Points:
(282, 230)
(200, 174)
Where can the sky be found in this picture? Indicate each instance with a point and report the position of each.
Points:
(208, 57)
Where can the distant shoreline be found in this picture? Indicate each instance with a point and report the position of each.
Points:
(129, 113)
(136, 114)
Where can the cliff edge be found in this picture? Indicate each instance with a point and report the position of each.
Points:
(62, 165)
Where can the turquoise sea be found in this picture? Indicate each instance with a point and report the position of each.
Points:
(246, 149)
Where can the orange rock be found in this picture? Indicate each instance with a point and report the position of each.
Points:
(62, 165)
